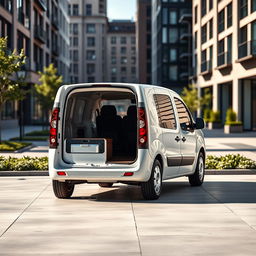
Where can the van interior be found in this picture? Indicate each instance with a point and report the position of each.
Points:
(94, 114)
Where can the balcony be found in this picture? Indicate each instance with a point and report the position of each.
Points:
(41, 4)
(185, 16)
(206, 67)
(55, 21)
(224, 60)
(246, 51)
(40, 34)
(185, 35)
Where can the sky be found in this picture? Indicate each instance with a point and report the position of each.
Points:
(121, 9)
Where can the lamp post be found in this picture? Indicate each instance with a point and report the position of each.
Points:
(21, 76)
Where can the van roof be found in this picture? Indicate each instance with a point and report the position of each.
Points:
(133, 85)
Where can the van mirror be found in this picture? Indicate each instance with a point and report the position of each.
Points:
(199, 123)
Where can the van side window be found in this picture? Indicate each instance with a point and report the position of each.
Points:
(183, 114)
(165, 111)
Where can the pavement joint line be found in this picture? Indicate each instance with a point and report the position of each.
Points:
(24, 210)
(225, 205)
(136, 228)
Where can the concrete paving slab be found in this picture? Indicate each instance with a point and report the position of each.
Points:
(215, 219)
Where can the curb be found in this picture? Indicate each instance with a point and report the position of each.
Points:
(23, 173)
(231, 172)
(207, 172)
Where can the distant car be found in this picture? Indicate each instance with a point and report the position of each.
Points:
(157, 138)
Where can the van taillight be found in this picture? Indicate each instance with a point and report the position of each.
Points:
(54, 128)
(143, 129)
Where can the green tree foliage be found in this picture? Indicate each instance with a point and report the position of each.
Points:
(10, 63)
(205, 101)
(190, 96)
(47, 89)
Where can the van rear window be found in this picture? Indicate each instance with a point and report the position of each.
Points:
(165, 111)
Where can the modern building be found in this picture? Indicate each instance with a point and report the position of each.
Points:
(224, 54)
(88, 27)
(41, 29)
(171, 43)
(143, 35)
(121, 52)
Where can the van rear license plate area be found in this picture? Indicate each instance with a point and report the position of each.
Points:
(85, 146)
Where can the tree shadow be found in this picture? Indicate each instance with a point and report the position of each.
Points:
(181, 193)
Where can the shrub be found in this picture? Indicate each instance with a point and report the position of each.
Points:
(12, 145)
(207, 115)
(215, 117)
(38, 133)
(229, 161)
(231, 116)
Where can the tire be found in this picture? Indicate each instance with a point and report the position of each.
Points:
(151, 189)
(106, 185)
(62, 189)
(197, 178)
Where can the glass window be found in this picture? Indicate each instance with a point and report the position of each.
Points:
(229, 50)
(133, 40)
(123, 50)
(123, 60)
(88, 9)
(75, 28)
(75, 10)
(196, 40)
(210, 28)
(173, 17)
(183, 115)
(229, 15)
(173, 72)
(90, 69)
(196, 13)
(210, 4)
(173, 35)
(133, 60)
(203, 6)
(90, 28)
(113, 60)
(253, 4)
(75, 55)
(243, 7)
(123, 40)
(90, 55)
(113, 40)
(165, 16)
(204, 33)
(164, 35)
(221, 21)
(113, 50)
(165, 112)
(91, 41)
(75, 41)
(113, 71)
(173, 54)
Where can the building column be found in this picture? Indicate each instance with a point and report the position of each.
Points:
(236, 98)
(215, 97)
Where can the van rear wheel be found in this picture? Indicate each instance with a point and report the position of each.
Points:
(62, 189)
(151, 189)
(106, 185)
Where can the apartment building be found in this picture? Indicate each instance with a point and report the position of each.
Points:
(171, 43)
(41, 29)
(143, 35)
(88, 27)
(224, 55)
(121, 52)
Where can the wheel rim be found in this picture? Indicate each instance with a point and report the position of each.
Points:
(157, 180)
(201, 168)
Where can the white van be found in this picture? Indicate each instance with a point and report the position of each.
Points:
(129, 133)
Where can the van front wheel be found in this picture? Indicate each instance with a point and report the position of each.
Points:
(151, 189)
(197, 178)
(62, 189)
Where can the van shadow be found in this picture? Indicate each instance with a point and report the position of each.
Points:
(181, 193)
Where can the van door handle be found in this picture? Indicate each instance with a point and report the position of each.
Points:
(184, 139)
(177, 138)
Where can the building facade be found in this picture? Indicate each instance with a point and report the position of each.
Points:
(171, 43)
(143, 35)
(224, 55)
(88, 27)
(41, 29)
(121, 52)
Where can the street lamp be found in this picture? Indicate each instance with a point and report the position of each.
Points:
(21, 77)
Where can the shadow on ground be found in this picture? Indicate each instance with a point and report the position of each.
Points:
(182, 193)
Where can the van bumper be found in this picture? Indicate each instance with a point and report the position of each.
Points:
(113, 173)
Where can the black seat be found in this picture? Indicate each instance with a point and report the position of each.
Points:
(109, 124)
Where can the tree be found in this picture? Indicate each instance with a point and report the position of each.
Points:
(205, 101)
(10, 63)
(46, 91)
(191, 98)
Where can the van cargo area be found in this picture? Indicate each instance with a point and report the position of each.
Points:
(100, 126)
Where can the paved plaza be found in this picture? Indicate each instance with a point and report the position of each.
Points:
(218, 218)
